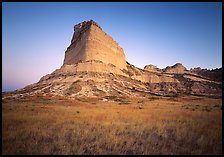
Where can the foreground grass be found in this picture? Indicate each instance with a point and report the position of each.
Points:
(45, 125)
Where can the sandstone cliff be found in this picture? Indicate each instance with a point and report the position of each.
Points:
(91, 43)
(95, 65)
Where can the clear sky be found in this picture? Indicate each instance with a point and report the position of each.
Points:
(36, 35)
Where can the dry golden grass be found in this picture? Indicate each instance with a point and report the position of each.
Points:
(155, 125)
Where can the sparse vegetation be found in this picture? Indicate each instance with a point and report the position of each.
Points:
(81, 99)
(140, 107)
(75, 87)
(120, 100)
(154, 98)
(113, 97)
(66, 126)
(141, 101)
(198, 107)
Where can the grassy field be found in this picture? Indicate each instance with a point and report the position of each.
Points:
(112, 125)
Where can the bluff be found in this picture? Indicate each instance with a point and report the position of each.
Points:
(95, 50)
(90, 42)
(95, 66)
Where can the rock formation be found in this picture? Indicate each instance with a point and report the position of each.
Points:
(92, 46)
(95, 65)
(214, 74)
(152, 68)
(177, 68)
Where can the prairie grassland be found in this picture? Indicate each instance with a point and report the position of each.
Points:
(154, 125)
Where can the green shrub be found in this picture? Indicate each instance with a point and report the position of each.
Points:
(81, 99)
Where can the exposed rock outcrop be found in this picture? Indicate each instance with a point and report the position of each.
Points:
(95, 65)
(177, 68)
(214, 74)
(91, 43)
(152, 68)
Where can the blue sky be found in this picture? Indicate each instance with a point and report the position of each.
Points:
(36, 35)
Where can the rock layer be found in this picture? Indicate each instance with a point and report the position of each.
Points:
(95, 65)
(90, 42)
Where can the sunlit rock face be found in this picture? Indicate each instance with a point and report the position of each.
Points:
(152, 68)
(177, 68)
(95, 66)
(91, 43)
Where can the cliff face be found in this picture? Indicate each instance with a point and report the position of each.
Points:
(90, 43)
(95, 65)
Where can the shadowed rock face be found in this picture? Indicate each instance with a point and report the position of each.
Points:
(95, 65)
(214, 74)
